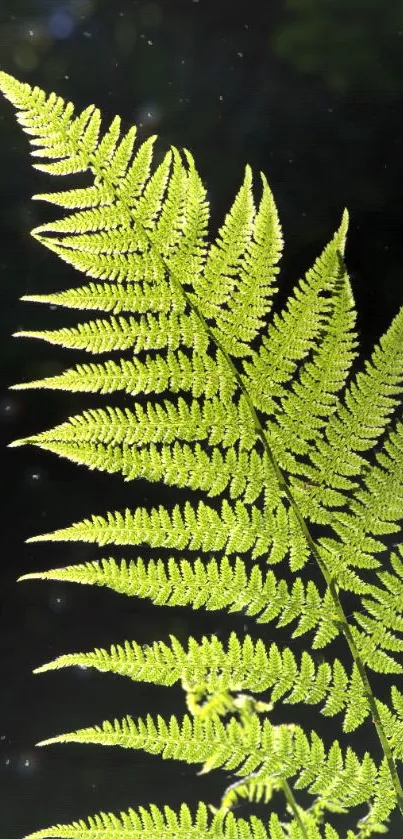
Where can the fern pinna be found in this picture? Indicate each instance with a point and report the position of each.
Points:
(298, 459)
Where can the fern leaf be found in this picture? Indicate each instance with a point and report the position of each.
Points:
(293, 334)
(145, 333)
(114, 297)
(319, 380)
(245, 747)
(212, 586)
(384, 602)
(263, 412)
(167, 824)
(236, 288)
(163, 422)
(179, 465)
(154, 821)
(358, 423)
(235, 529)
(206, 669)
(199, 375)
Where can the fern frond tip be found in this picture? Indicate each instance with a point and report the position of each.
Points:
(345, 218)
(341, 233)
(37, 383)
(31, 576)
(46, 537)
(43, 669)
(26, 333)
(50, 740)
(15, 443)
(30, 298)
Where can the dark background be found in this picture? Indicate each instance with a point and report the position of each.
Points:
(310, 92)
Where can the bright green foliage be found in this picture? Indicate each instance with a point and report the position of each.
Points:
(296, 459)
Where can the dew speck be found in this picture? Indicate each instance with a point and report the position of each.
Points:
(26, 764)
(10, 407)
(58, 602)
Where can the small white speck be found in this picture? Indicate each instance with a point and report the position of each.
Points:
(87, 34)
(150, 43)
(31, 33)
(221, 97)
(240, 54)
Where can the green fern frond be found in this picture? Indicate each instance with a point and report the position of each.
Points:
(206, 669)
(319, 380)
(154, 821)
(144, 333)
(179, 465)
(293, 334)
(167, 824)
(236, 287)
(385, 601)
(197, 528)
(114, 297)
(211, 585)
(279, 752)
(177, 372)
(261, 411)
(375, 510)
(360, 419)
(164, 422)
